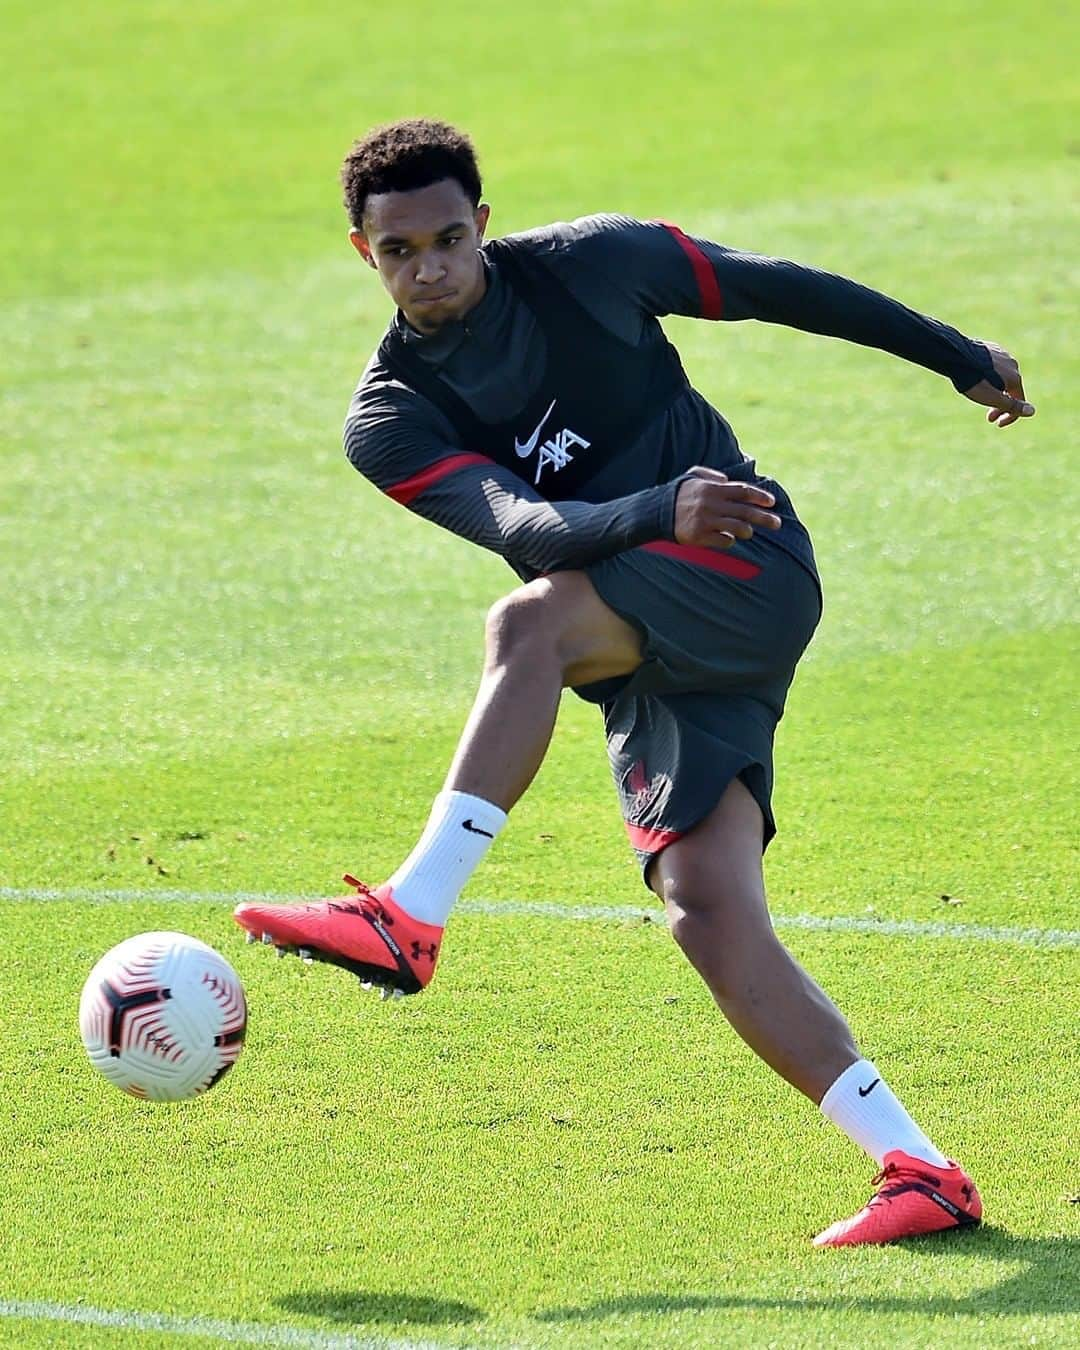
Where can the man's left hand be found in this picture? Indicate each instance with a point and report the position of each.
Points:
(1006, 405)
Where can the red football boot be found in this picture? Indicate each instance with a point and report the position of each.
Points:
(913, 1197)
(370, 935)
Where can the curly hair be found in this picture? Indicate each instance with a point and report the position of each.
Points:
(406, 155)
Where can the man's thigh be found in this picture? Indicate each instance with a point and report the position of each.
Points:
(593, 642)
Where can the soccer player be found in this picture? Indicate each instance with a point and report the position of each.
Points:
(525, 397)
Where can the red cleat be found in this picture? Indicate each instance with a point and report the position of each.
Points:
(913, 1197)
(370, 935)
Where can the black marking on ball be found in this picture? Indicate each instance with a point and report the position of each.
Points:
(121, 1004)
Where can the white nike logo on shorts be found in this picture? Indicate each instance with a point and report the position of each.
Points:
(524, 449)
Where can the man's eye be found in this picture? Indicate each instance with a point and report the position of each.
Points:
(451, 240)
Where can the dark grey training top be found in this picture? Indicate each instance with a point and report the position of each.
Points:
(625, 273)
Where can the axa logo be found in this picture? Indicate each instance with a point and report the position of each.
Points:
(555, 450)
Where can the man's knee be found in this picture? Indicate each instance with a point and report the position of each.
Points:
(703, 903)
(524, 622)
(712, 874)
(560, 618)
(719, 924)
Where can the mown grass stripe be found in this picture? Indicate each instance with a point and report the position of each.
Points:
(840, 923)
(233, 1333)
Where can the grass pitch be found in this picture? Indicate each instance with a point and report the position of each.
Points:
(230, 666)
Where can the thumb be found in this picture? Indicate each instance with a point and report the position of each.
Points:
(1019, 406)
(985, 393)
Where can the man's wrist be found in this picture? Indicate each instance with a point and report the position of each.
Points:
(981, 368)
(666, 512)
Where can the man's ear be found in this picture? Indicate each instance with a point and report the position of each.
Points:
(483, 213)
(359, 242)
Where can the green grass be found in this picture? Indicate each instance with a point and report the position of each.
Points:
(231, 666)
(542, 1149)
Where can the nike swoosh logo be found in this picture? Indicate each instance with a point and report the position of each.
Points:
(525, 448)
(475, 829)
(865, 1092)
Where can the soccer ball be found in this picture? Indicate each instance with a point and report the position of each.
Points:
(163, 1016)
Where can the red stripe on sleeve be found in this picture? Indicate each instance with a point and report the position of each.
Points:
(411, 487)
(713, 558)
(712, 302)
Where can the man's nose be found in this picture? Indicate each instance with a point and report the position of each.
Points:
(429, 268)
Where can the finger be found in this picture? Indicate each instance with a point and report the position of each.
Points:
(1018, 406)
(1013, 381)
(724, 533)
(701, 471)
(752, 515)
(746, 492)
(1002, 400)
(751, 496)
(990, 397)
(734, 528)
(743, 526)
(1007, 406)
(1016, 387)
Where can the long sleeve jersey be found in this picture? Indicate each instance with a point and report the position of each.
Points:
(626, 274)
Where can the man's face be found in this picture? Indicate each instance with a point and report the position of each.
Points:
(424, 245)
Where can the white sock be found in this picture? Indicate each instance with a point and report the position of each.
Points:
(460, 830)
(861, 1103)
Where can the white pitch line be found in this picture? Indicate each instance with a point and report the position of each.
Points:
(232, 1333)
(841, 923)
(820, 923)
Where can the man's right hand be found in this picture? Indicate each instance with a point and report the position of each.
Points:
(713, 511)
(1006, 405)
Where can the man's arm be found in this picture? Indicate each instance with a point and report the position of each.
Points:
(490, 506)
(665, 271)
(394, 438)
(406, 448)
(778, 291)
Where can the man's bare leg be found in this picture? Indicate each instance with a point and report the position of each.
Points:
(712, 886)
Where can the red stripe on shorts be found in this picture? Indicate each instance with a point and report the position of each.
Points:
(705, 557)
(411, 487)
(712, 302)
(651, 841)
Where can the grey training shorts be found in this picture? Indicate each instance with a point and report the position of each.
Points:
(722, 633)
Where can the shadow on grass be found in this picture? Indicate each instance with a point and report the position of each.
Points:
(361, 1306)
(1048, 1284)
